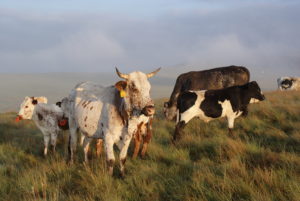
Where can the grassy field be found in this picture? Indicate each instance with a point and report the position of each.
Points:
(261, 164)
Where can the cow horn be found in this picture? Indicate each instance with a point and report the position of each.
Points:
(121, 75)
(153, 73)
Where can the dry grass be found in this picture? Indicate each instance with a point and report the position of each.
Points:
(262, 164)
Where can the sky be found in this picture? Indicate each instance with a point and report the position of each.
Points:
(41, 36)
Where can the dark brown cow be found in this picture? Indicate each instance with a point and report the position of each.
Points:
(216, 78)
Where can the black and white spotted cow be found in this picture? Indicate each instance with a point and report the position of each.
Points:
(288, 83)
(216, 78)
(230, 102)
(49, 118)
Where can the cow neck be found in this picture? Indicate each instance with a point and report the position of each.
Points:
(120, 105)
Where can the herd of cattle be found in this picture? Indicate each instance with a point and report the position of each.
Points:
(118, 113)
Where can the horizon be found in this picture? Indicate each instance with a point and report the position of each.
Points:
(91, 37)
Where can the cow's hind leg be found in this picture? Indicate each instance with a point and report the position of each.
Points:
(86, 147)
(99, 147)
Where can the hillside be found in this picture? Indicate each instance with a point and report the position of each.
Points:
(261, 164)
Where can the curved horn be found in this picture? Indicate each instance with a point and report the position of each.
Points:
(121, 75)
(153, 73)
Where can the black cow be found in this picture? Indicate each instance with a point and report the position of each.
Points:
(230, 102)
(216, 78)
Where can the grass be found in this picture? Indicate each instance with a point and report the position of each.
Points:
(261, 164)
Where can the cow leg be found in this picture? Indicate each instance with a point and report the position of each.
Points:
(230, 121)
(72, 139)
(82, 139)
(123, 146)
(147, 138)
(137, 141)
(99, 147)
(86, 147)
(178, 131)
(46, 143)
(109, 148)
(53, 141)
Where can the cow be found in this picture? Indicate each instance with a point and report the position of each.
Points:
(111, 113)
(216, 78)
(230, 102)
(49, 118)
(288, 83)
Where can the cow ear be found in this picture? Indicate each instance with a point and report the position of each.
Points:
(34, 101)
(121, 85)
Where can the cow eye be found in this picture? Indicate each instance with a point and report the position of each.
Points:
(26, 106)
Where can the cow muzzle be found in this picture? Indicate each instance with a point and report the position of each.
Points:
(148, 110)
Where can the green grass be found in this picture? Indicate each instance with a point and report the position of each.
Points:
(261, 164)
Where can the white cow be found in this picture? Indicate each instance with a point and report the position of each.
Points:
(46, 117)
(288, 83)
(110, 113)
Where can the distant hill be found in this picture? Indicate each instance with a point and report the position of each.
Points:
(55, 86)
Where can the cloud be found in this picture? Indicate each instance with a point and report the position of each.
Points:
(257, 35)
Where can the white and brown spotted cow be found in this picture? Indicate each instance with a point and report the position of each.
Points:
(207, 105)
(288, 83)
(49, 118)
(111, 113)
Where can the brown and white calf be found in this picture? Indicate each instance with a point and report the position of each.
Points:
(111, 113)
(143, 135)
(49, 118)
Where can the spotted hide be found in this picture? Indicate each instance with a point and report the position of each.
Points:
(230, 102)
(46, 117)
(110, 113)
(216, 78)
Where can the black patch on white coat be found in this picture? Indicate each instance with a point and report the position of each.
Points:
(287, 83)
(186, 100)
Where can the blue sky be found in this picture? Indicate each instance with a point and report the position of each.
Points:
(181, 35)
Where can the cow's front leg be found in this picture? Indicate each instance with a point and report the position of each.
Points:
(230, 121)
(137, 141)
(123, 146)
(53, 141)
(86, 147)
(109, 148)
(147, 138)
(46, 143)
(178, 131)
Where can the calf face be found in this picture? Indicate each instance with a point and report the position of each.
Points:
(28, 105)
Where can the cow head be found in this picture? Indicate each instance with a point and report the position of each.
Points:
(286, 83)
(135, 92)
(254, 93)
(170, 111)
(28, 105)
